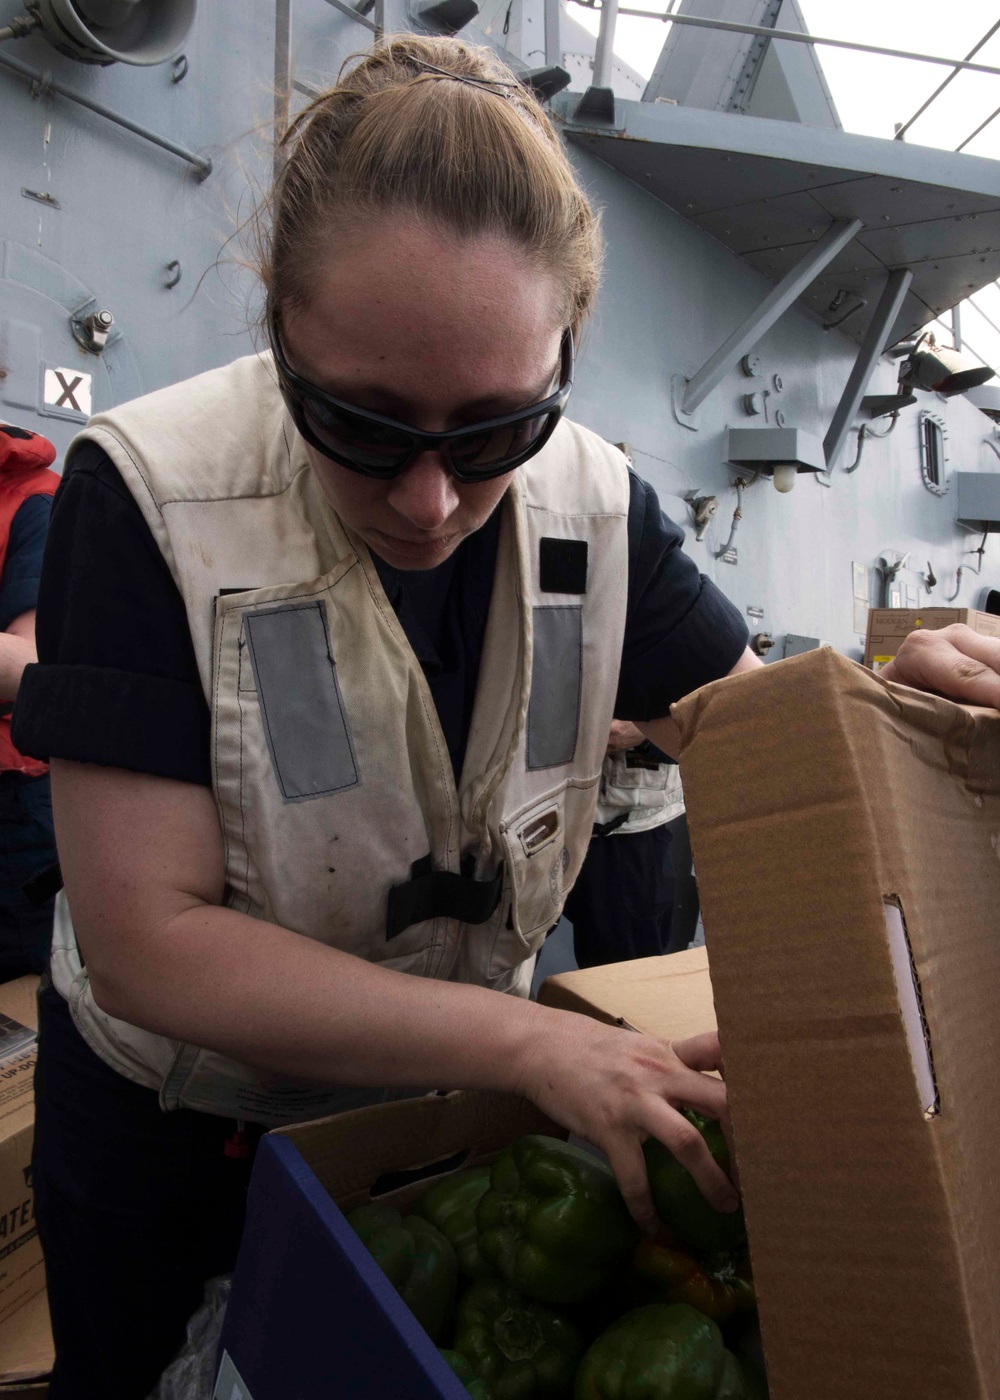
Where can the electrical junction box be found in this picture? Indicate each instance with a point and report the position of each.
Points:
(796, 645)
(979, 501)
(761, 448)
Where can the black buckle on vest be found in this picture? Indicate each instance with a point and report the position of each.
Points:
(606, 828)
(440, 894)
(43, 886)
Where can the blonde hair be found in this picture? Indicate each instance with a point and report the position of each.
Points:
(443, 131)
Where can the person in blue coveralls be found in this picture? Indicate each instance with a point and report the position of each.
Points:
(330, 643)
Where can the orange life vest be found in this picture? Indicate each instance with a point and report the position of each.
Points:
(24, 461)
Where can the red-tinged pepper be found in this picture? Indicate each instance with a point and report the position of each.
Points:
(719, 1286)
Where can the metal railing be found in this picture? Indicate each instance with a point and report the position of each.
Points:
(609, 12)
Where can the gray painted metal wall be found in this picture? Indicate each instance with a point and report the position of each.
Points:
(671, 295)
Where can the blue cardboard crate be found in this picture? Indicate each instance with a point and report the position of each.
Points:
(311, 1316)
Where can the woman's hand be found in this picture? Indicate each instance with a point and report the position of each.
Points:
(952, 661)
(615, 1088)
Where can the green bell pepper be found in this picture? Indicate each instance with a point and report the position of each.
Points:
(478, 1390)
(660, 1352)
(553, 1221)
(451, 1206)
(416, 1259)
(680, 1205)
(522, 1349)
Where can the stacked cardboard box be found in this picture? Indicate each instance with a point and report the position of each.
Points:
(25, 1336)
(888, 626)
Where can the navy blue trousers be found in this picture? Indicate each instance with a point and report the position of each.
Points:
(622, 903)
(27, 848)
(136, 1208)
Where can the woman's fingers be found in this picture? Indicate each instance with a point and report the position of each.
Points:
(700, 1051)
(616, 1088)
(624, 1154)
(954, 661)
(679, 1135)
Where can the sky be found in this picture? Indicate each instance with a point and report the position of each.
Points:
(872, 92)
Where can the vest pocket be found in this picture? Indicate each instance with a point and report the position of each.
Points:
(300, 702)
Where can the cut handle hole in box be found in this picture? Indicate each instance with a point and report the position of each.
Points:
(395, 1181)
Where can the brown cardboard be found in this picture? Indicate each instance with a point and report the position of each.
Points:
(351, 1152)
(820, 800)
(26, 1349)
(662, 996)
(21, 1272)
(888, 626)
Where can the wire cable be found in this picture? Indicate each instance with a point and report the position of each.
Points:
(20, 27)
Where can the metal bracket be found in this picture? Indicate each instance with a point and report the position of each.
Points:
(91, 327)
(596, 105)
(678, 385)
(876, 336)
(777, 301)
(354, 14)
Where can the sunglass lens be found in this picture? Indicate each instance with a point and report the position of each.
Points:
(371, 446)
(488, 450)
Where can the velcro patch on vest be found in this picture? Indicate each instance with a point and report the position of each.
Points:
(562, 565)
(300, 701)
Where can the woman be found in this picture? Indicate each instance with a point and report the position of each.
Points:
(330, 646)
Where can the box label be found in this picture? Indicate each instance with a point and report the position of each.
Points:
(14, 1038)
(230, 1385)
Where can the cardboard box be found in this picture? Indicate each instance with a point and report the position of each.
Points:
(888, 626)
(311, 1315)
(26, 1351)
(22, 1275)
(669, 997)
(846, 835)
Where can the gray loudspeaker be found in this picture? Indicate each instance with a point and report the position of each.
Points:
(116, 31)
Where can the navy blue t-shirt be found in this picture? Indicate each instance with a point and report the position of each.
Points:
(117, 682)
(22, 565)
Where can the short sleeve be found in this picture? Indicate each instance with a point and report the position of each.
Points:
(680, 630)
(116, 681)
(22, 565)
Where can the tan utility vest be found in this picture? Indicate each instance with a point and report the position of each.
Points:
(340, 813)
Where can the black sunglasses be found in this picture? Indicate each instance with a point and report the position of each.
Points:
(377, 446)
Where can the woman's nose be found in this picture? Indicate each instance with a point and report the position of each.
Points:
(426, 494)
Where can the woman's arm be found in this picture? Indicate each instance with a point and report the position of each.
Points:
(17, 650)
(143, 862)
(664, 732)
